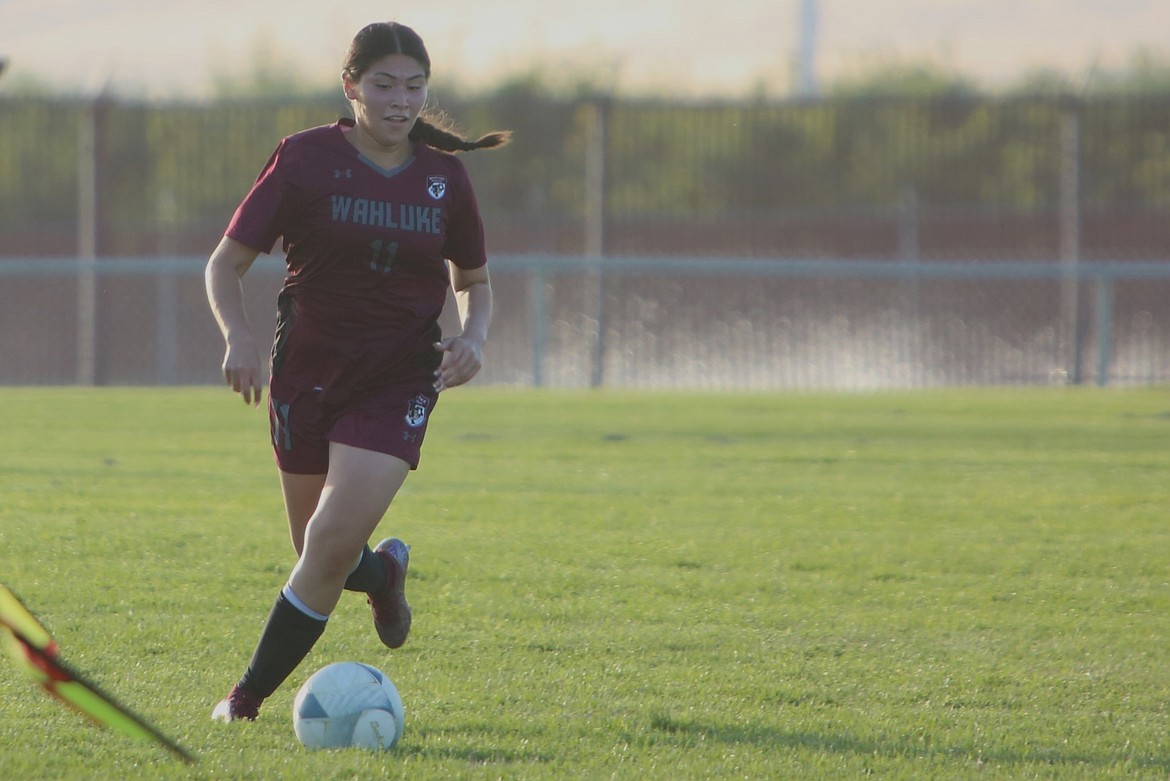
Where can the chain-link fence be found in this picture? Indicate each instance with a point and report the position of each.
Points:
(652, 323)
(854, 243)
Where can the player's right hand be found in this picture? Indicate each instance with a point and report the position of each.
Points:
(241, 371)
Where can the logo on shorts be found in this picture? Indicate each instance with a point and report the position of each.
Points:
(416, 411)
(437, 187)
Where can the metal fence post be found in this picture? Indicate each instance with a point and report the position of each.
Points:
(595, 174)
(1070, 235)
(87, 240)
(1104, 328)
(908, 242)
(166, 293)
(539, 318)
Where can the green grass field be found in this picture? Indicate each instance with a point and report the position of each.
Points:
(941, 584)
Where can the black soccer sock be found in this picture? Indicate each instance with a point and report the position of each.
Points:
(287, 639)
(369, 575)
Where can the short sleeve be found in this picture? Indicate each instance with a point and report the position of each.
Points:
(262, 217)
(465, 238)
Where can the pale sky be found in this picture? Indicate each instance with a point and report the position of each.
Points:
(684, 48)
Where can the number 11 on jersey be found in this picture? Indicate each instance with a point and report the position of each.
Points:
(382, 255)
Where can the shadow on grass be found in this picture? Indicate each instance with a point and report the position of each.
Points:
(473, 752)
(665, 729)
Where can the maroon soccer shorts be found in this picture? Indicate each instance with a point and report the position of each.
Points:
(392, 421)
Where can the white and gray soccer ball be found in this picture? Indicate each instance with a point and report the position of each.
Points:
(348, 704)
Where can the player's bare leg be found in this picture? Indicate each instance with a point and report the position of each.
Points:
(355, 495)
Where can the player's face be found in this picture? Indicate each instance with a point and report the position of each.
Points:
(387, 99)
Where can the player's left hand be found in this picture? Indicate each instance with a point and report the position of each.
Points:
(462, 359)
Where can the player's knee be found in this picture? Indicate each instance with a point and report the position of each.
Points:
(330, 549)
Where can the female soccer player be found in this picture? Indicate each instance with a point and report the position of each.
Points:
(377, 219)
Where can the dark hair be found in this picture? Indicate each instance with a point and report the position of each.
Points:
(380, 39)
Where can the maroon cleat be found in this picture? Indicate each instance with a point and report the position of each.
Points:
(240, 704)
(388, 604)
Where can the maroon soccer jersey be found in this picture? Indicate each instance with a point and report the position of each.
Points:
(365, 249)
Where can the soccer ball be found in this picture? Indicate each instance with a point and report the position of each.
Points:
(348, 704)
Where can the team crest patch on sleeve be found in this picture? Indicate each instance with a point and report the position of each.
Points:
(437, 187)
(416, 411)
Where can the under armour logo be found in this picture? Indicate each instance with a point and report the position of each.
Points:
(347, 173)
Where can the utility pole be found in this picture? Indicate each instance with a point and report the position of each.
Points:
(808, 49)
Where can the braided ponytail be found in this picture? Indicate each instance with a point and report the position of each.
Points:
(435, 131)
